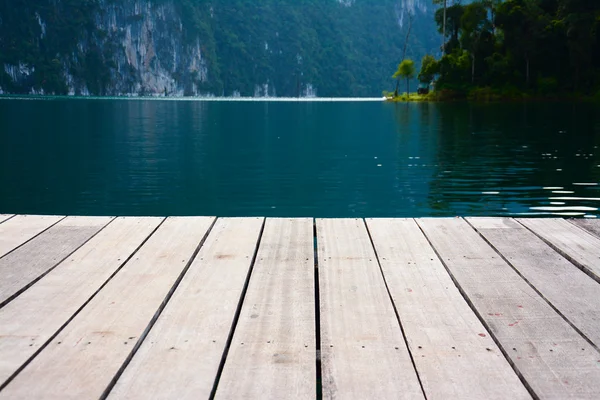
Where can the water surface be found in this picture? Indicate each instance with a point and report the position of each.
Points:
(318, 159)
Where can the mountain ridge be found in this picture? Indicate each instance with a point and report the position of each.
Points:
(330, 48)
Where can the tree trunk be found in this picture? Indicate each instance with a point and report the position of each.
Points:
(444, 29)
(397, 85)
(473, 68)
(410, 19)
(407, 87)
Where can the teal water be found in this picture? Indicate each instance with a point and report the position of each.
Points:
(318, 159)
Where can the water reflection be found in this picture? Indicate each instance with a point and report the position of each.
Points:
(321, 159)
(506, 157)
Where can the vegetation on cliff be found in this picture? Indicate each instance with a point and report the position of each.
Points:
(514, 49)
(338, 48)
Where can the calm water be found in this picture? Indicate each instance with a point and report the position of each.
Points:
(321, 159)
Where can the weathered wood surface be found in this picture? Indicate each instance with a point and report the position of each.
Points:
(83, 358)
(30, 320)
(180, 357)
(574, 243)
(21, 228)
(363, 352)
(4, 217)
(130, 313)
(590, 225)
(25, 265)
(566, 287)
(555, 361)
(272, 355)
(452, 358)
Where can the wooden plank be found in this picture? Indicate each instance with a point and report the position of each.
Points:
(272, 355)
(452, 359)
(577, 245)
(590, 225)
(552, 357)
(20, 268)
(4, 217)
(363, 352)
(20, 229)
(180, 357)
(29, 321)
(567, 287)
(85, 356)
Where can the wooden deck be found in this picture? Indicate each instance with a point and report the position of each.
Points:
(254, 308)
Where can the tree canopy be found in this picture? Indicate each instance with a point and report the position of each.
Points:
(406, 70)
(539, 47)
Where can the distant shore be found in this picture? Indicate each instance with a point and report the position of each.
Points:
(485, 95)
(193, 98)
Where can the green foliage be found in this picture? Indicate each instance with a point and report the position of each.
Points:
(22, 40)
(341, 51)
(520, 48)
(404, 97)
(406, 70)
(454, 15)
(429, 68)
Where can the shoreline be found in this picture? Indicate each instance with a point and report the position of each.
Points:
(416, 98)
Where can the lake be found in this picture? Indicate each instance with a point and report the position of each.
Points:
(290, 158)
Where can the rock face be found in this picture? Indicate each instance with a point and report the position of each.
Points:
(208, 48)
(152, 55)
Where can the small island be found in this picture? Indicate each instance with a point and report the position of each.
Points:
(509, 50)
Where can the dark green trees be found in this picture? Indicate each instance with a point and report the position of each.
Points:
(429, 68)
(539, 47)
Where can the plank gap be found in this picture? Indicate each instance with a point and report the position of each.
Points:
(591, 226)
(412, 359)
(563, 253)
(319, 376)
(43, 346)
(60, 218)
(236, 316)
(6, 217)
(534, 288)
(56, 264)
(481, 319)
(162, 306)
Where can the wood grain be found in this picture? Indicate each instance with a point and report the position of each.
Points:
(272, 355)
(453, 360)
(590, 225)
(21, 228)
(180, 357)
(85, 356)
(29, 321)
(363, 352)
(564, 285)
(574, 243)
(26, 264)
(555, 361)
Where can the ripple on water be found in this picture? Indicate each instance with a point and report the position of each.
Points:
(566, 208)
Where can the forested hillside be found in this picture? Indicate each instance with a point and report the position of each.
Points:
(210, 47)
(516, 48)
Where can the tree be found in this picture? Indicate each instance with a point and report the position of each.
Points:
(521, 23)
(474, 24)
(492, 6)
(406, 69)
(448, 23)
(445, 4)
(429, 67)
